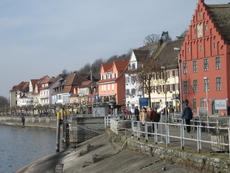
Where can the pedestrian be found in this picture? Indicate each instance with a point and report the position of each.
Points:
(143, 116)
(23, 119)
(155, 117)
(187, 114)
(136, 113)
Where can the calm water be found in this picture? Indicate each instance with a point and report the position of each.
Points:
(22, 146)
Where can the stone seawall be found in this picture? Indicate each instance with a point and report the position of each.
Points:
(201, 162)
(44, 122)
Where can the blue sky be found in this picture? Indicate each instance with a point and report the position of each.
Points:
(43, 37)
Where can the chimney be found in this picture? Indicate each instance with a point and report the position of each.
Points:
(200, 1)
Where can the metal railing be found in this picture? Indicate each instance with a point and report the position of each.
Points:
(212, 138)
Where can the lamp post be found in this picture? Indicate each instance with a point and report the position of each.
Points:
(165, 91)
(180, 77)
(206, 90)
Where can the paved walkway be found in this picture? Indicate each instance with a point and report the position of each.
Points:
(190, 140)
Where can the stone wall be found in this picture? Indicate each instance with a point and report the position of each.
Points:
(47, 122)
(188, 159)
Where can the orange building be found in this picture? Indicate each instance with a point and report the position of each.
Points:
(112, 82)
(205, 58)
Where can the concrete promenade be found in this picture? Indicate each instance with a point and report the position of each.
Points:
(124, 153)
(103, 155)
(129, 152)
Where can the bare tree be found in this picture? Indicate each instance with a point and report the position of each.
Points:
(184, 33)
(151, 69)
(3, 101)
(151, 39)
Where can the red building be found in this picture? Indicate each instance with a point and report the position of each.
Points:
(205, 58)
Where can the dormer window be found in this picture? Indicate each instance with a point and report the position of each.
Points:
(102, 77)
(133, 66)
(115, 75)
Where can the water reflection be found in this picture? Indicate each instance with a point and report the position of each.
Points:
(21, 146)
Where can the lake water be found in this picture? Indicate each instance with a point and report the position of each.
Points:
(21, 146)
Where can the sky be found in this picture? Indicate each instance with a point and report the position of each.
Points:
(44, 37)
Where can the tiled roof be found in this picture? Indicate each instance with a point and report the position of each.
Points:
(85, 83)
(107, 67)
(220, 15)
(143, 52)
(17, 87)
(34, 81)
(74, 79)
(168, 56)
(121, 65)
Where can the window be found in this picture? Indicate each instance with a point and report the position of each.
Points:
(195, 86)
(115, 75)
(157, 76)
(108, 87)
(133, 91)
(153, 76)
(217, 62)
(153, 89)
(206, 84)
(188, 50)
(194, 66)
(218, 83)
(158, 88)
(184, 67)
(110, 76)
(127, 92)
(206, 27)
(171, 73)
(127, 79)
(171, 87)
(176, 87)
(133, 65)
(176, 72)
(194, 103)
(112, 86)
(202, 102)
(185, 86)
(165, 88)
(200, 48)
(133, 79)
(214, 45)
(205, 64)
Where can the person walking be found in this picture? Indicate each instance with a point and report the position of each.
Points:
(187, 115)
(23, 119)
(136, 113)
(143, 116)
(155, 117)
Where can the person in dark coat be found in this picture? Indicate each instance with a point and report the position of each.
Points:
(187, 114)
(155, 117)
(23, 119)
(136, 113)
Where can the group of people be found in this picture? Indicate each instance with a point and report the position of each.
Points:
(144, 116)
(154, 116)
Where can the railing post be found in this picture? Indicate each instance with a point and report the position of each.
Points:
(167, 134)
(217, 124)
(146, 132)
(138, 130)
(229, 140)
(155, 131)
(198, 138)
(182, 135)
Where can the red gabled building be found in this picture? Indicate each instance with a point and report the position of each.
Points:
(112, 82)
(205, 56)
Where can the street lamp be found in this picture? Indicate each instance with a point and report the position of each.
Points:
(180, 77)
(206, 90)
(165, 91)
